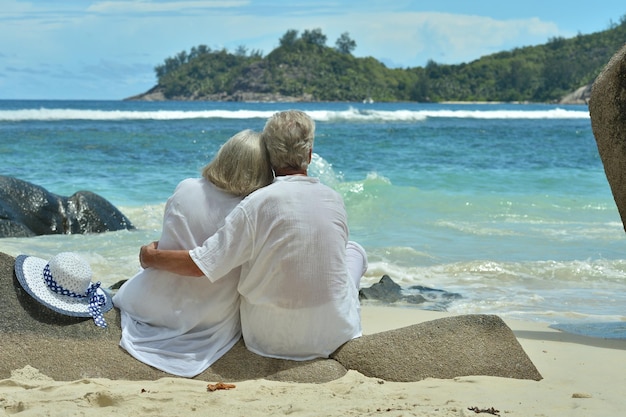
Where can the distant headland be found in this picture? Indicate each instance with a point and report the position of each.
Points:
(303, 69)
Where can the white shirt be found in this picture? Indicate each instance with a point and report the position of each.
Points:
(297, 299)
(179, 324)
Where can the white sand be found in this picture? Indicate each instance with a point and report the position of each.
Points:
(582, 377)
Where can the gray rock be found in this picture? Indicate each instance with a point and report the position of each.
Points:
(607, 108)
(580, 96)
(27, 210)
(443, 348)
(67, 349)
(70, 348)
(387, 291)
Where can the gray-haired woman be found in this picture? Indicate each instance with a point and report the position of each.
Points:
(180, 324)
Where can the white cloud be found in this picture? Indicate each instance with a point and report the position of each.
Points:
(145, 6)
(410, 39)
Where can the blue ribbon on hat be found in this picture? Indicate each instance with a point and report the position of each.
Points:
(96, 301)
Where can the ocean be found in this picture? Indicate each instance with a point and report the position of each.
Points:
(505, 205)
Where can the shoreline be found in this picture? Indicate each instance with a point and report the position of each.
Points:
(581, 377)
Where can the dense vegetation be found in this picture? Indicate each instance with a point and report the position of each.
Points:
(304, 67)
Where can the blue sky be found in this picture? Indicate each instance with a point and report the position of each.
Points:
(80, 49)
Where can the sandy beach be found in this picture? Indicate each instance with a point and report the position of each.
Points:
(581, 377)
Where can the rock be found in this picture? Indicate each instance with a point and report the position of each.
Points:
(444, 348)
(384, 290)
(387, 291)
(90, 213)
(580, 96)
(607, 108)
(156, 93)
(71, 348)
(68, 349)
(27, 209)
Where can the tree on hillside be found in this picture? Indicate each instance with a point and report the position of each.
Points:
(345, 44)
(314, 37)
(241, 50)
(256, 53)
(289, 38)
(170, 65)
(182, 57)
(199, 50)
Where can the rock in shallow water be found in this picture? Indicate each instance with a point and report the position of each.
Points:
(27, 210)
(388, 291)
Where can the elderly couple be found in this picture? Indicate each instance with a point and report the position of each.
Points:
(245, 254)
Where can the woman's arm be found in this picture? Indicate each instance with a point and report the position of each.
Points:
(175, 261)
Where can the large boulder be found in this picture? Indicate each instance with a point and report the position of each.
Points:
(607, 108)
(71, 348)
(474, 344)
(27, 210)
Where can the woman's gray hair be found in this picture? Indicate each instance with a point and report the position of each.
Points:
(241, 165)
(288, 137)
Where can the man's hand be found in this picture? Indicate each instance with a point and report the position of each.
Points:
(145, 255)
(175, 261)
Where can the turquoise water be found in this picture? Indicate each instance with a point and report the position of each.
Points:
(507, 205)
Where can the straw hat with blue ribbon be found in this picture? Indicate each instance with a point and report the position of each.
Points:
(64, 285)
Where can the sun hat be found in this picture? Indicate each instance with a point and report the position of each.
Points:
(64, 285)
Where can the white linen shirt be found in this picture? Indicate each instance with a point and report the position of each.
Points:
(298, 301)
(180, 324)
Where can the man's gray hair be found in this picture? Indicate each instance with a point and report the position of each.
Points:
(288, 137)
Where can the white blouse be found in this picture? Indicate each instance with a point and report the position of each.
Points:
(179, 324)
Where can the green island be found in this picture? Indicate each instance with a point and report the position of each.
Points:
(304, 68)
